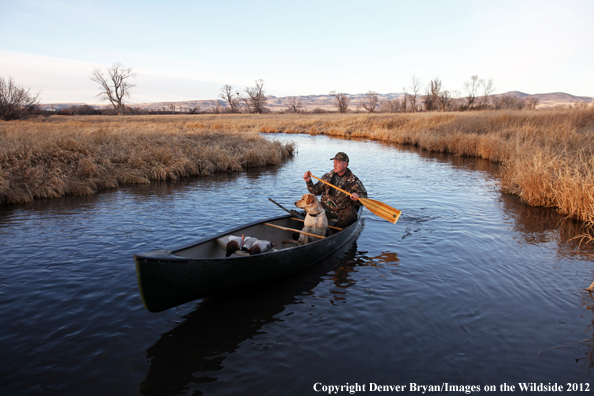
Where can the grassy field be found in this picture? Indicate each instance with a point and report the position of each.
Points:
(546, 157)
(66, 157)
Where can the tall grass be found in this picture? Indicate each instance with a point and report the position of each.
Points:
(546, 157)
(53, 159)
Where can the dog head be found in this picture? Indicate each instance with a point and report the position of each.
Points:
(310, 203)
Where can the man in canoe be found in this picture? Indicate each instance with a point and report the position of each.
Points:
(334, 202)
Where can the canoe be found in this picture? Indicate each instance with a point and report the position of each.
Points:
(168, 278)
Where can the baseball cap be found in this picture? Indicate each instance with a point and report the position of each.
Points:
(341, 157)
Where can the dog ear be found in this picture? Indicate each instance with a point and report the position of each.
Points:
(310, 199)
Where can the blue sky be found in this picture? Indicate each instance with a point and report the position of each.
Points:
(187, 50)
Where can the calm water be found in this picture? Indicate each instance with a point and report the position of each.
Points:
(470, 287)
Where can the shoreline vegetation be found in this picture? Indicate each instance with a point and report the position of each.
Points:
(53, 159)
(545, 157)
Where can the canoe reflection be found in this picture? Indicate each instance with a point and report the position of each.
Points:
(193, 352)
(341, 276)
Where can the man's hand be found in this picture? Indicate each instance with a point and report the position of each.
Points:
(354, 196)
(307, 176)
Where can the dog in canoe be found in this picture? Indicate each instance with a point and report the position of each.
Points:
(316, 221)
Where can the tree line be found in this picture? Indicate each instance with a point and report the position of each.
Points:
(115, 86)
(477, 95)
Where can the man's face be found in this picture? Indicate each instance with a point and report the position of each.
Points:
(340, 167)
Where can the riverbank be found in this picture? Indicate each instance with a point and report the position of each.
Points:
(546, 157)
(54, 159)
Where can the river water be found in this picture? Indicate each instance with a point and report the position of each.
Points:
(469, 288)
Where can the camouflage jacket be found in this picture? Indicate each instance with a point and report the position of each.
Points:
(334, 201)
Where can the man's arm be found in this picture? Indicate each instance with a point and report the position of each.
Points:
(357, 189)
(361, 191)
(315, 189)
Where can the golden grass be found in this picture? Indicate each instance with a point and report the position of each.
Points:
(546, 156)
(65, 157)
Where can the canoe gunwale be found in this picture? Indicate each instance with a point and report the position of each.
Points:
(170, 256)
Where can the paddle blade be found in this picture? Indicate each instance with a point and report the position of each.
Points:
(380, 209)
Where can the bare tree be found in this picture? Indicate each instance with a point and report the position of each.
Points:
(471, 87)
(488, 89)
(389, 106)
(256, 97)
(246, 101)
(508, 102)
(15, 101)
(294, 105)
(393, 105)
(415, 87)
(531, 102)
(342, 101)
(231, 98)
(116, 86)
(445, 100)
(404, 100)
(432, 93)
(370, 102)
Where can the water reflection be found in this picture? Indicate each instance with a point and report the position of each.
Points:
(164, 189)
(461, 162)
(389, 258)
(194, 351)
(536, 225)
(586, 359)
(341, 276)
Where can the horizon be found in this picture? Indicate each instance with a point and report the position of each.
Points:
(225, 104)
(547, 100)
(188, 51)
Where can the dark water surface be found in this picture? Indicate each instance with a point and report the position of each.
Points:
(470, 287)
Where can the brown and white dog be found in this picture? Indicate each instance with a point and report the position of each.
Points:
(316, 221)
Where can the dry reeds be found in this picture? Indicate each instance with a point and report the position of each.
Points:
(546, 156)
(53, 159)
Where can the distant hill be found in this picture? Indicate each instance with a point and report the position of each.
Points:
(549, 100)
(560, 99)
(322, 102)
(516, 94)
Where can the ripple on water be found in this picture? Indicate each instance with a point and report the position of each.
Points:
(468, 287)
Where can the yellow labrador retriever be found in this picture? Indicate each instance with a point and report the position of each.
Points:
(316, 221)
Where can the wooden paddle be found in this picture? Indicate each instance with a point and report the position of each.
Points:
(378, 208)
(291, 229)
